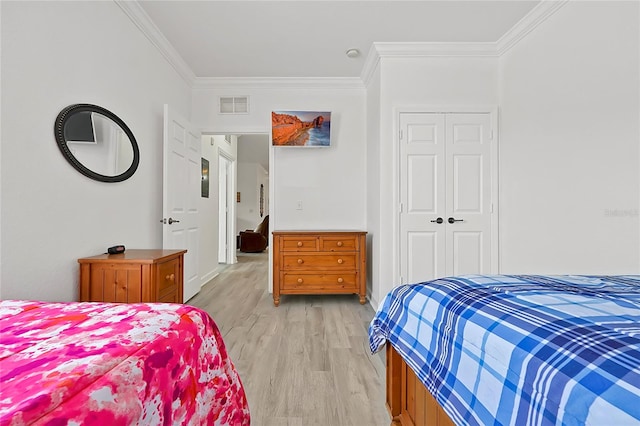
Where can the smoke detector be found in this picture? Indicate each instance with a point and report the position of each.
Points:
(352, 53)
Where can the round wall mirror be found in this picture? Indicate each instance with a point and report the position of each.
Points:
(97, 143)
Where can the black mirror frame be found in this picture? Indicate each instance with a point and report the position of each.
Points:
(58, 131)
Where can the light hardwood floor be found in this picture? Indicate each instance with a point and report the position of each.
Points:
(306, 362)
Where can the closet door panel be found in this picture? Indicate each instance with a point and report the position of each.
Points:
(422, 196)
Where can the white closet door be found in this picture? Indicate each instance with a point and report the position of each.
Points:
(445, 195)
(468, 181)
(422, 194)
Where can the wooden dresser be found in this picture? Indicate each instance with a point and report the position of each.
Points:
(133, 276)
(319, 262)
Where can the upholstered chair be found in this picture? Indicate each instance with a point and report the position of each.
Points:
(255, 241)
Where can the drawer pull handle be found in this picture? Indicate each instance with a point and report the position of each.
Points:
(300, 280)
(340, 261)
(340, 280)
(339, 244)
(170, 277)
(300, 261)
(299, 243)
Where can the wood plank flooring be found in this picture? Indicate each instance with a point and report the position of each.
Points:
(306, 362)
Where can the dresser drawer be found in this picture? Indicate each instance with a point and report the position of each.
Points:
(299, 243)
(319, 281)
(338, 243)
(318, 261)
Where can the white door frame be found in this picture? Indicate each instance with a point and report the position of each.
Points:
(231, 206)
(223, 208)
(489, 109)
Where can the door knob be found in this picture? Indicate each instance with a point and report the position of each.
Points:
(171, 220)
(452, 220)
(438, 220)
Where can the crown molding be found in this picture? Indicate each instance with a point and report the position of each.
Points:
(319, 83)
(422, 50)
(141, 19)
(370, 65)
(431, 49)
(540, 13)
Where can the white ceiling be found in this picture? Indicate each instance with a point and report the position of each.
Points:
(304, 38)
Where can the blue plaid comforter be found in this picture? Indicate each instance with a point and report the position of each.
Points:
(521, 350)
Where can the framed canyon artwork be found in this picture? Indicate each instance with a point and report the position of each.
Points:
(301, 128)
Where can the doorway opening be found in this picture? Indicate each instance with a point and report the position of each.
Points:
(239, 197)
(253, 195)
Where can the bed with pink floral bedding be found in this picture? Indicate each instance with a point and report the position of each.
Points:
(115, 364)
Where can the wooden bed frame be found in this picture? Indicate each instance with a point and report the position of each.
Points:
(408, 401)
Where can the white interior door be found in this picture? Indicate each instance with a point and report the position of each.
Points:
(181, 193)
(422, 194)
(231, 211)
(468, 184)
(445, 195)
(223, 209)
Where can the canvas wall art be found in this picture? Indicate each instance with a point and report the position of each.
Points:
(301, 128)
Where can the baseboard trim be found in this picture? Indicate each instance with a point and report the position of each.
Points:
(208, 277)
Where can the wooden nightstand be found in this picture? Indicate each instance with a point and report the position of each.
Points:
(133, 276)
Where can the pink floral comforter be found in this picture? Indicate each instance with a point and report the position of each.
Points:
(115, 364)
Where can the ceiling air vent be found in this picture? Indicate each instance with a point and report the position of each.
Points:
(234, 105)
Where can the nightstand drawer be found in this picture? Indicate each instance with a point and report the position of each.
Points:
(168, 277)
(171, 297)
(320, 281)
(314, 261)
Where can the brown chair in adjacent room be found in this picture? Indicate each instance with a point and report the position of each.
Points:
(255, 241)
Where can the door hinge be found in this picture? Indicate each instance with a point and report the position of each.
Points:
(401, 135)
(401, 207)
(491, 208)
(491, 135)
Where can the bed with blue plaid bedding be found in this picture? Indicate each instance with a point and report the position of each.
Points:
(521, 350)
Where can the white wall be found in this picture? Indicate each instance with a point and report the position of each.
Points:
(569, 144)
(373, 184)
(55, 54)
(212, 145)
(412, 83)
(330, 182)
